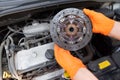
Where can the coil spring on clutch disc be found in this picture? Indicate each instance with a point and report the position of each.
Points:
(71, 29)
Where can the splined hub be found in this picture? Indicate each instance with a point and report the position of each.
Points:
(71, 29)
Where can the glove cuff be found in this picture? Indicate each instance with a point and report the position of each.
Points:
(108, 27)
(75, 68)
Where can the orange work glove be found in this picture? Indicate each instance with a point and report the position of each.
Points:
(101, 24)
(67, 61)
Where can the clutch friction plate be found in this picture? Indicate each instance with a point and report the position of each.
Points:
(71, 29)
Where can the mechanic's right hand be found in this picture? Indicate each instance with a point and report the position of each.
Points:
(101, 24)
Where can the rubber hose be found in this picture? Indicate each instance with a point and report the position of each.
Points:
(1, 49)
(89, 54)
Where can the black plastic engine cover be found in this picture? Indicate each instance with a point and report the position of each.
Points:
(102, 66)
(110, 67)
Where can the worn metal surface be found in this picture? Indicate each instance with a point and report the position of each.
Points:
(71, 29)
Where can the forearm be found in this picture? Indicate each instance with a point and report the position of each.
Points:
(84, 74)
(115, 32)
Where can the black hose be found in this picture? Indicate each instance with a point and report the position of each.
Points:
(89, 55)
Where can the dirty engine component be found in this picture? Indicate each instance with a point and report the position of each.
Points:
(71, 29)
(35, 29)
(28, 58)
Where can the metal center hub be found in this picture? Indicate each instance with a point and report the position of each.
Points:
(71, 30)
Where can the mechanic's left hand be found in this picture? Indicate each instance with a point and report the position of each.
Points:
(74, 67)
(70, 63)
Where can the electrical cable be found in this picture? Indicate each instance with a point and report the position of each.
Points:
(18, 31)
(11, 60)
(22, 39)
(1, 49)
(10, 57)
(6, 35)
(34, 41)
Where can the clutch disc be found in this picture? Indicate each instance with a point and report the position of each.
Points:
(71, 29)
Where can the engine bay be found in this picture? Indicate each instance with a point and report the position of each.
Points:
(28, 37)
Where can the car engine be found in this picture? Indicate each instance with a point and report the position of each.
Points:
(28, 37)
